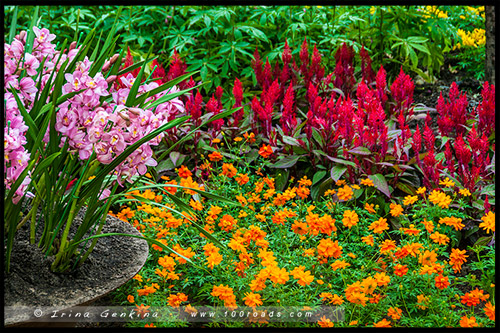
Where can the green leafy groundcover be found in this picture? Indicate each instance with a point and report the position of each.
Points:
(394, 264)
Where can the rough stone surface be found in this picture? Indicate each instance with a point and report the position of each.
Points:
(114, 261)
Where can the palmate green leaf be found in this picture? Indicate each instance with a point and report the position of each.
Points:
(119, 159)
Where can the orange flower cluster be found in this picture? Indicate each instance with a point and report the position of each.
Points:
(224, 293)
(474, 297)
(328, 249)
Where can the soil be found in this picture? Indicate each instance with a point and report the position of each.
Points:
(31, 283)
(428, 93)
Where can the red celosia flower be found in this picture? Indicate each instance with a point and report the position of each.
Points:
(366, 66)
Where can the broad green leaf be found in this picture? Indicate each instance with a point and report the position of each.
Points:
(380, 183)
(360, 151)
(337, 171)
(286, 162)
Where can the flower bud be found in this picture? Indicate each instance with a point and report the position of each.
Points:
(114, 58)
(123, 116)
(105, 67)
(111, 78)
(135, 111)
(72, 45)
(22, 35)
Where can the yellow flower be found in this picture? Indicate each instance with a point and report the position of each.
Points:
(367, 182)
(421, 190)
(447, 182)
(465, 192)
(409, 200)
(396, 210)
(488, 223)
(440, 198)
(345, 193)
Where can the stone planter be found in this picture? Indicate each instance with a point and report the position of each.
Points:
(31, 285)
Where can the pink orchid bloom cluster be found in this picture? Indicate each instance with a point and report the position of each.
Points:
(85, 123)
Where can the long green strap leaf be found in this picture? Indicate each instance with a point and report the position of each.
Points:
(131, 98)
(13, 26)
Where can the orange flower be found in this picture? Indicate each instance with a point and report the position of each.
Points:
(249, 137)
(409, 200)
(350, 218)
(488, 223)
(396, 210)
(368, 240)
(345, 193)
(214, 259)
(304, 277)
(339, 264)
(452, 221)
(441, 282)
(468, 322)
(184, 172)
(489, 310)
(387, 245)
(146, 290)
(300, 228)
(429, 225)
(303, 192)
(379, 226)
(367, 182)
(440, 239)
(325, 322)
(440, 198)
(265, 151)
(141, 310)
(400, 270)
(370, 208)
(196, 205)
(428, 257)
(457, 258)
(131, 299)
(227, 223)
(382, 279)
(125, 214)
(327, 248)
(242, 179)
(383, 323)
(215, 156)
(174, 300)
(394, 313)
(225, 294)
(228, 170)
(356, 297)
(252, 300)
(278, 275)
